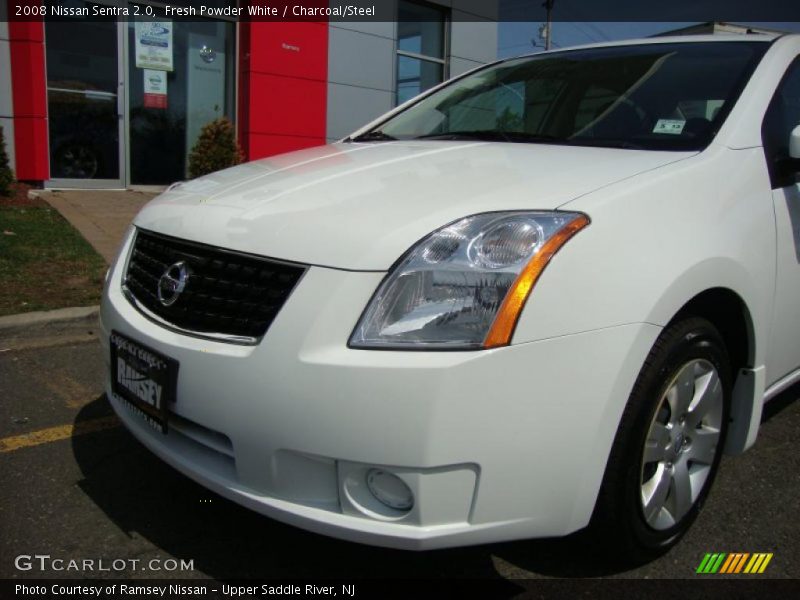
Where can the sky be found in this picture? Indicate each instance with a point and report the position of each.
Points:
(515, 38)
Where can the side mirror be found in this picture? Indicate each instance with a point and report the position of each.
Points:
(788, 167)
(794, 143)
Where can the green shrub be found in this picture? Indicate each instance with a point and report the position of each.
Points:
(6, 175)
(216, 148)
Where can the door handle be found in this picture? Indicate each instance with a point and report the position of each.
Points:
(121, 100)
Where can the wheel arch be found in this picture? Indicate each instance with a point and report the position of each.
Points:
(731, 316)
(729, 313)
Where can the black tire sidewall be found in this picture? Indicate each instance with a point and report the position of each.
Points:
(687, 340)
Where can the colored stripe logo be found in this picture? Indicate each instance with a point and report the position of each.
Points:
(734, 563)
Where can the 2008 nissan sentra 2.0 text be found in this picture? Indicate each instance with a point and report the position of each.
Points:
(545, 296)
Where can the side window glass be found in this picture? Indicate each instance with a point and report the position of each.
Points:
(782, 116)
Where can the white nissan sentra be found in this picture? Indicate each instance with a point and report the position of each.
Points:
(546, 295)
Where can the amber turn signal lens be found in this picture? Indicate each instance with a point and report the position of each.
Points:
(506, 320)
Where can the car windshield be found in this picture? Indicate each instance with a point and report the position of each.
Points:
(664, 96)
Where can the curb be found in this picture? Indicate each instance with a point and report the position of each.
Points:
(48, 327)
(47, 318)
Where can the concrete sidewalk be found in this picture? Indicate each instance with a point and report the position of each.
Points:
(101, 216)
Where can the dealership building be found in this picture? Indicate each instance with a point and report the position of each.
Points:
(115, 101)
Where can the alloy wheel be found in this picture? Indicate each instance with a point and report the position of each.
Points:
(681, 444)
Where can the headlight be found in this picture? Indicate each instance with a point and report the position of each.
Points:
(464, 285)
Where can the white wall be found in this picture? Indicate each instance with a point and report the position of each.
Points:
(361, 61)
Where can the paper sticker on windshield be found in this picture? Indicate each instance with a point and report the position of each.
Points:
(671, 126)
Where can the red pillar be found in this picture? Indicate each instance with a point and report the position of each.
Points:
(283, 81)
(29, 95)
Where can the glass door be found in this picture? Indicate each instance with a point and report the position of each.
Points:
(180, 77)
(85, 106)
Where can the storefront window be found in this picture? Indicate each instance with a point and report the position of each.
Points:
(180, 77)
(420, 49)
(83, 110)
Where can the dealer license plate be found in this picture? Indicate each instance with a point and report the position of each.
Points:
(144, 378)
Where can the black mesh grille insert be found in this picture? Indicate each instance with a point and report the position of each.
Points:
(226, 292)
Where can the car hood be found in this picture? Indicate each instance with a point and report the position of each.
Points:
(361, 206)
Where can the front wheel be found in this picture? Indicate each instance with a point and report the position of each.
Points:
(669, 442)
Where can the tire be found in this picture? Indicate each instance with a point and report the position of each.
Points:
(668, 445)
(76, 161)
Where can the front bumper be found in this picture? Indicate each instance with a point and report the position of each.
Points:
(496, 445)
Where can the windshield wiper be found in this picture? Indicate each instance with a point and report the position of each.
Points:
(376, 135)
(492, 135)
(601, 143)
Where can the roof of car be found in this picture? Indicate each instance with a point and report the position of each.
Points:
(684, 39)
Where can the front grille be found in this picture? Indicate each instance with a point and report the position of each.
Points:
(227, 294)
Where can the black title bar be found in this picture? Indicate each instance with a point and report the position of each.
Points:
(497, 589)
(380, 10)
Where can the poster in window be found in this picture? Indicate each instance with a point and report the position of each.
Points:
(155, 89)
(154, 45)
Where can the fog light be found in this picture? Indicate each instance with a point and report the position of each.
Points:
(389, 489)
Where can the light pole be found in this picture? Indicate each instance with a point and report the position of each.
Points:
(548, 4)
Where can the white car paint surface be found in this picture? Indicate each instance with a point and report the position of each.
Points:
(396, 193)
(502, 442)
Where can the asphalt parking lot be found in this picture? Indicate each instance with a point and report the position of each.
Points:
(76, 485)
